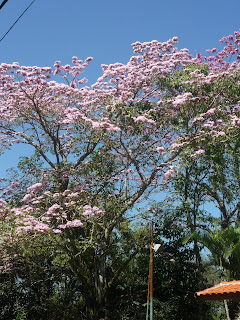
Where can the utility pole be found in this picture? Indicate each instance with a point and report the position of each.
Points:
(150, 280)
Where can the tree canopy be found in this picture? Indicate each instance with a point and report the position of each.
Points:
(164, 121)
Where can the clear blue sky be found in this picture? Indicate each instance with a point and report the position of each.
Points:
(57, 30)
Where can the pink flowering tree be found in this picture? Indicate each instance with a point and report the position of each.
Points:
(105, 147)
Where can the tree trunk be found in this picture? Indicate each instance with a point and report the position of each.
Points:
(100, 280)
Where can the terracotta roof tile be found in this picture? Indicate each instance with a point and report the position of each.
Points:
(223, 290)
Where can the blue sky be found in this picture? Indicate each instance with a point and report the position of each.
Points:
(57, 30)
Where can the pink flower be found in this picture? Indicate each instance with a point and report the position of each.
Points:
(182, 99)
(211, 111)
(198, 153)
(89, 59)
(144, 119)
(168, 174)
(41, 227)
(197, 119)
(57, 231)
(160, 149)
(55, 207)
(27, 197)
(35, 187)
(74, 223)
(221, 133)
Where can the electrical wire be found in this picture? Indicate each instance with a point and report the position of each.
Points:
(3, 3)
(17, 20)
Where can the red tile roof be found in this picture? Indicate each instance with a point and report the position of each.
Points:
(224, 290)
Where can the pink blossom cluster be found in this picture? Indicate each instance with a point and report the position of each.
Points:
(34, 217)
(169, 173)
(181, 100)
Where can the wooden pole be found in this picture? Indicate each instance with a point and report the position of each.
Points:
(147, 300)
(150, 279)
(151, 274)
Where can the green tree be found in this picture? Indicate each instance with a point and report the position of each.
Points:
(224, 246)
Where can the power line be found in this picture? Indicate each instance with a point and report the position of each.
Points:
(3, 3)
(16, 20)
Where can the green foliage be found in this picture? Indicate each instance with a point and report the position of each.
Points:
(224, 246)
(20, 317)
(49, 285)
